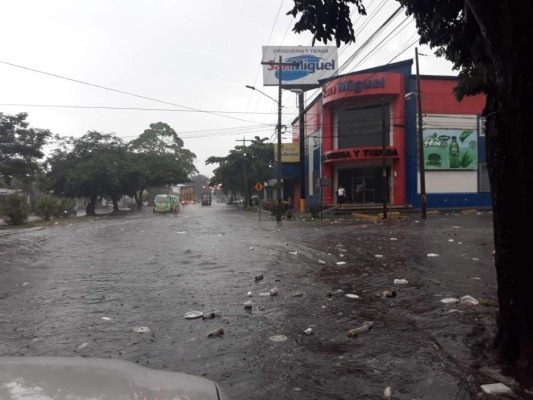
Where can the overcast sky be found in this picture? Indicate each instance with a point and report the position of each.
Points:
(116, 66)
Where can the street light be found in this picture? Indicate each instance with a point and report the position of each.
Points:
(278, 162)
(263, 93)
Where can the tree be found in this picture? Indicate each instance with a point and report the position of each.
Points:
(20, 149)
(160, 160)
(489, 43)
(243, 167)
(91, 166)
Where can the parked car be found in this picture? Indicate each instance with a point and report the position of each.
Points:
(84, 378)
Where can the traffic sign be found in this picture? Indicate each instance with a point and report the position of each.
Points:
(258, 186)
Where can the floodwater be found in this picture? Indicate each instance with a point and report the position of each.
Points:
(120, 286)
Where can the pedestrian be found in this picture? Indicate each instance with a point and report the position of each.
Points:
(359, 191)
(341, 195)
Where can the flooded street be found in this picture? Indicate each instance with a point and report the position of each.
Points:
(88, 288)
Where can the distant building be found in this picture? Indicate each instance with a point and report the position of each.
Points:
(359, 115)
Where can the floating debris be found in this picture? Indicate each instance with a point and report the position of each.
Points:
(469, 300)
(387, 393)
(298, 294)
(81, 346)
(193, 314)
(449, 300)
(341, 262)
(433, 255)
(389, 293)
(490, 303)
(249, 294)
(293, 252)
(211, 314)
(141, 329)
(258, 277)
(393, 239)
(248, 305)
(278, 338)
(367, 325)
(251, 248)
(274, 291)
(308, 331)
(400, 281)
(216, 332)
(352, 296)
(106, 319)
(378, 256)
(321, 262)
(495, 388)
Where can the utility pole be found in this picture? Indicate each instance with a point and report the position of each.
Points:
(278, 175)
(420, 144)
(302, 150)
(384, 159)
(245, 187)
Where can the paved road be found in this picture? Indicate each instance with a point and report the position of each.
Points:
(86, 288)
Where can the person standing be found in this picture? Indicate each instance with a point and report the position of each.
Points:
(341, 195)
(359, 193)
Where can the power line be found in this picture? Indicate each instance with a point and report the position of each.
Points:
(118, 91)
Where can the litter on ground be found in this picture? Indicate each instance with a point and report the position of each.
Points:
(278, 338)
(193, 314)
(141, 329)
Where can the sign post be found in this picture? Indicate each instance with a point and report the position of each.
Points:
(258, 188)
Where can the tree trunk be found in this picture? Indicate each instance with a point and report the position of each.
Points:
(141, 198)
(509, 146)
(91, 206)
(115, 204)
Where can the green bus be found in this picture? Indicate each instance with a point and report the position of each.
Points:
(166, 203)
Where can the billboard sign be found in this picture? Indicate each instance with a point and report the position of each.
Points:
(450, 149)
(309, 64)
(290, 152)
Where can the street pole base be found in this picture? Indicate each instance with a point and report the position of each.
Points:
(302, 205)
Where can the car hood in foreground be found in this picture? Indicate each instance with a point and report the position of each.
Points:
(80, 378)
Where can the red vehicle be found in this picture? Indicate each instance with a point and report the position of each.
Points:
(187, 195)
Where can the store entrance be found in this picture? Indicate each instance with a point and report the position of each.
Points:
(363, 189)
(363, 185)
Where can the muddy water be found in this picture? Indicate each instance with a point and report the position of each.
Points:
(85, 288)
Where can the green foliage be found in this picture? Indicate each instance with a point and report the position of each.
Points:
(239, 171)
(47, 207)
(67, 206)
(20, 149)
(326, 19)
(15, 209)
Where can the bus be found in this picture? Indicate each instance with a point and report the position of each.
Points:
(166, 203)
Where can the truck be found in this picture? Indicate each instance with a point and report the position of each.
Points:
(187, 194)
(206, 198)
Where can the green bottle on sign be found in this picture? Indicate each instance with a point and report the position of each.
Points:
(454, 153)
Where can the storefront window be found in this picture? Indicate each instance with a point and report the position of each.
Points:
(363, 126)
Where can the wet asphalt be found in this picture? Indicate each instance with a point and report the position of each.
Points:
(120, 287)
